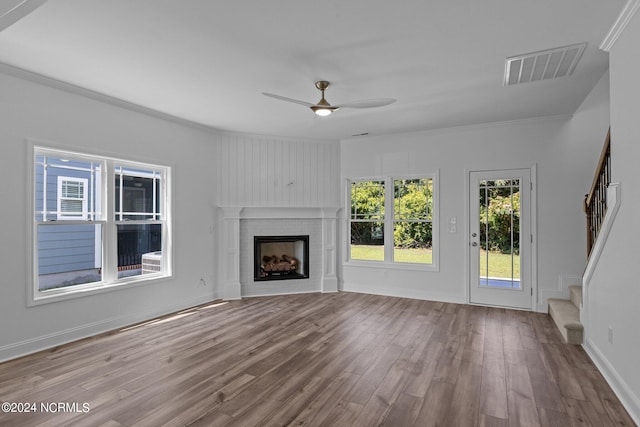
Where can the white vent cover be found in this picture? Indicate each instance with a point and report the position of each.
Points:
(542, 65)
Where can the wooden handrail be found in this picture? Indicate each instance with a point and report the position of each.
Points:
(595, 203)
(605, 155)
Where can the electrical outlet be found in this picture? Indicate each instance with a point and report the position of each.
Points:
(610, 335)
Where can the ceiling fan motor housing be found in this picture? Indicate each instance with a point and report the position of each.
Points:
(322, 85)
(323, 108)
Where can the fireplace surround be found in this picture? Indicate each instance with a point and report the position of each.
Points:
(239, 225)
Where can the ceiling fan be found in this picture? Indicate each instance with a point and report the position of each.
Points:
(323, 108)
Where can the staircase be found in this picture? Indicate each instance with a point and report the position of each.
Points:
(566, 314)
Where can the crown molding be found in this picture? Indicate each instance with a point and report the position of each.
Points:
(51, 82)
(19, 10)
(470, 128)
(628, 11)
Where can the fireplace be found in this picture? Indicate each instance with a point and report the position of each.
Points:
(280, 257)
(237, 253)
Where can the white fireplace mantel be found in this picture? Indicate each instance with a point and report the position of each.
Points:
(235, 212)
(230, 241)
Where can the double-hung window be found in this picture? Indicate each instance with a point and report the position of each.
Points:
(98, 222)
(394, 220)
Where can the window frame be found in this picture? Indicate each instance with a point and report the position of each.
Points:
(389, 221)
(106, 217)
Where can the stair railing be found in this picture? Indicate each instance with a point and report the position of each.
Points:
(595, 203)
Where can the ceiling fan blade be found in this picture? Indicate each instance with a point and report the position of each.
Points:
(367, 103)
(284, 98)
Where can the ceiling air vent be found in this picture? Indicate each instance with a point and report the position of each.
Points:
(546, 64)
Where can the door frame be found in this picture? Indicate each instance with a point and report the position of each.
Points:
(534, 231)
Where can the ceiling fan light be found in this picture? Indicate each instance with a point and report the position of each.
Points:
(320, 111)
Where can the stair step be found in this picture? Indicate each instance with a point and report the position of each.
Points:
(567, 318)
(575, 295)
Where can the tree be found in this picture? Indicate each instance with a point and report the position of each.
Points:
(367, 209)
(413, 203)
(500, 216)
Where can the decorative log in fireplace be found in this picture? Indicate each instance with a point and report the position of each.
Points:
(281, 257)
(273, 263)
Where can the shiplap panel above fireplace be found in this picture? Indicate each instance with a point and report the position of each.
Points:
(264, 172)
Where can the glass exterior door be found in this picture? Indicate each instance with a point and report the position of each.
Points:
(499, 241)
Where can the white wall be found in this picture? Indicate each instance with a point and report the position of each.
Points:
(32, 110)
(277, 172)
(560, 188)
(614, 291)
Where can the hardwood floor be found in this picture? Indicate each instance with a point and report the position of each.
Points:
(318, 360)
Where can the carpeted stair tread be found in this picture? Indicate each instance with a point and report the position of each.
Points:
(567, 318)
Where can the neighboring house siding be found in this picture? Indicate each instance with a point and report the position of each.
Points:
(71, 250)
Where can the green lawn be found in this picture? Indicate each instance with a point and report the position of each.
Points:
(499, 263)
(376, 253)
(367, 253)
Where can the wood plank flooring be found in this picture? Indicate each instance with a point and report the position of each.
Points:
(318, 360)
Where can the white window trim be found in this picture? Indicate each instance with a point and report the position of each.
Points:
(110, 281)
(388, 224)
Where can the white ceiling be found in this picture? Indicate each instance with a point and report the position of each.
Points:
(208, 61)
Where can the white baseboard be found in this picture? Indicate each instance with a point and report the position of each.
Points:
(629, 400)
(34, 345)
(404, 293)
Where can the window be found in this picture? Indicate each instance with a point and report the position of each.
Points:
(72, 198)
(138, 217)
(96, 222)
(406, 234)
(367, 220)
(413, 220)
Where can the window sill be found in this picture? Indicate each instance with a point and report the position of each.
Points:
(79, 291)
(406, 266)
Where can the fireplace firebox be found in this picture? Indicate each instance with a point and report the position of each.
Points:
(280, 257)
